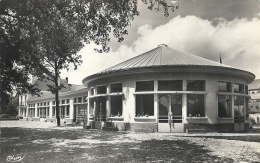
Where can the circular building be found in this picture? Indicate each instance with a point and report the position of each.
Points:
(166, 90)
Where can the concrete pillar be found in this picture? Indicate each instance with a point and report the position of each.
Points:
(156, 108)
(108, 108)
(27, 112)
(184, 102)
(19, 112)
(71, 108)
(88, 111)
(50, 107)
(36, 109)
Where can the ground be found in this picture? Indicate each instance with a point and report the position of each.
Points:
(26, 141)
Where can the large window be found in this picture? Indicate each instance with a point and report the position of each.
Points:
(116, 105)
(53, 111)
(224, 86)
(224, 106)
(238, 88)
(62, 112)
(170, 85)
(238, 109)
(91, 106)
(82, 110)
(144, 86)
(145, 105)
(43, 112)
(67, 110)
(195, 105)
(195, 85)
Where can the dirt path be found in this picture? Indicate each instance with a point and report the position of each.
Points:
(237, 150)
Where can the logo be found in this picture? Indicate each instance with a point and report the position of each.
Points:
(15, 158)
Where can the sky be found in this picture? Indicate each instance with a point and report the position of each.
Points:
(204, 28)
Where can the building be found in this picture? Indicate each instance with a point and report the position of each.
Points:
(254, 102)
(166, 90)
(72, 103)
(254, 92)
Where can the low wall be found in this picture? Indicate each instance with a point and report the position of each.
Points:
(123, 126)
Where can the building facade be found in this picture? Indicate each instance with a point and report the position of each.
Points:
(72, 104)
(254, 92)
(166, 90)
(254, 102)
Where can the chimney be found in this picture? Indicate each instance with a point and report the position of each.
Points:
(220, 58)
(67, 79)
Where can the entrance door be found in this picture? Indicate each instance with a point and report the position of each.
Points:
(100, 111)
(170, 113)
(239, 119)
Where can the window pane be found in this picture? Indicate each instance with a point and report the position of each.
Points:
(195, 105)
(63, 102)
(176, 104)
(247, 108)
(116, 87)
(238, 88)
(53, 111)
(100, 110)
(85, 99)
(101, 90)
(195, 85)
(67, 110)
(116, 105)
(145, 105)
(75, 100)
(224, 106)
(82, 110)
(246, 89)
(170, 85)
(79, 99)
(224, 86)
(91, 91)
(238, 109)
(144, 86)
(91, 105)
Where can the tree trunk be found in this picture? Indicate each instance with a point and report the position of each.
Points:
(57, 94)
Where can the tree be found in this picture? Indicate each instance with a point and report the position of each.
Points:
(12, 106)
(53, 32)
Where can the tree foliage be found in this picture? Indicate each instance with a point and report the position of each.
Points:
(39, 33)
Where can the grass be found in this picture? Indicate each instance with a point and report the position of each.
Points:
(246, 138)
(50, 145)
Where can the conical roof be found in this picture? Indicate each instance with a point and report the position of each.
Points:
(163, 56)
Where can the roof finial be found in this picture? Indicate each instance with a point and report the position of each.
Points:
(162, 45)
(220, 58)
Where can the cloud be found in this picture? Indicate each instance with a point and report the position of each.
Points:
(238, 41)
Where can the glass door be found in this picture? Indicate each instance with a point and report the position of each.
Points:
(170, 113)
